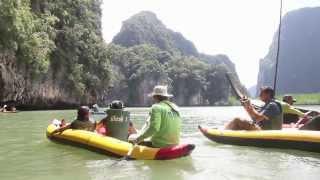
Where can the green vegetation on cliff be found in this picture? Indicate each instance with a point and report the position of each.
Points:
(26, 33)
(195, 79)
(58, 41)
(52, 54)
(146, 28)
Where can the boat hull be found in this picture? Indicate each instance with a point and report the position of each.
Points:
(284, 139)
(114, 147)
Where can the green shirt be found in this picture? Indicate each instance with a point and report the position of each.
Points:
(163, 125)
(288, 109)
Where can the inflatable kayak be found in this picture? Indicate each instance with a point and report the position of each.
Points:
(115, 147)
(285, 139)
(9, 111)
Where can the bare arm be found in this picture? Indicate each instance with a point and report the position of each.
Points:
(62, 129)
(253, 113)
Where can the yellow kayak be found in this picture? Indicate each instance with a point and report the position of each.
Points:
(285, 139)
(115, 147)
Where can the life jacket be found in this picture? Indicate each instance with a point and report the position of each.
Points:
(274, 123)
(117, 123)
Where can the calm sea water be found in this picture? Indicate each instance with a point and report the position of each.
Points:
(26, 153)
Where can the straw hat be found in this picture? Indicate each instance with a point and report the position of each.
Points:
(160, 91)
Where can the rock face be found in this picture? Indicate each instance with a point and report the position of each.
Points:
(49, 91)
(193, 78)
(299, 54)
(146, 28)
(53, 56)
(38, 94)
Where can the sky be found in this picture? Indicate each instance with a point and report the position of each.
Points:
(241, 29)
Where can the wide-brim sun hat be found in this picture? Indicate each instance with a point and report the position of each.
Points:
(160, 91)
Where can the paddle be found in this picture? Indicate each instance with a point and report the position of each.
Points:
(310, 112)
(127, 157)
(233, 87)
(238, 93)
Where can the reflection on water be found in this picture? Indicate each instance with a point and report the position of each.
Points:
(27, 154)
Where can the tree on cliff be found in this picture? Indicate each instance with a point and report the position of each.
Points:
(58, 58)
(195, 79)
(28, 35)
(54, 41)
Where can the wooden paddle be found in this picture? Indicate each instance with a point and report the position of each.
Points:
(233, 87)
(309, 111)
(238, 93)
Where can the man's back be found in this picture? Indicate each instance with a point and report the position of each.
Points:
(168, 120)
(117, 123)
(83, 125)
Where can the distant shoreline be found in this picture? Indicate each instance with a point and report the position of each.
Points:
(302, 100)
(104, 107)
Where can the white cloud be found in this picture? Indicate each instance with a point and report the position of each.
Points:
(241, 29)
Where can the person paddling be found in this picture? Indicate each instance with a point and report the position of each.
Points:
(82, 122)
(269, 117)
(117, 123)
(164, 122)
(290, 113)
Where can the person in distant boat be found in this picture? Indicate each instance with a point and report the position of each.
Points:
(117, 123)
(95, 108)
(82, 122)
(4, 108)
(287, 106)
(291, 115)
(289, 99)
(269, 117)
(164, 122)
(8, 108)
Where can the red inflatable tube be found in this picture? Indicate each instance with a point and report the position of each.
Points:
(173, 152)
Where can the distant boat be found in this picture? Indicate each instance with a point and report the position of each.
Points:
(9, 111)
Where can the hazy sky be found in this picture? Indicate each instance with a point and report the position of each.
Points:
(241, 29)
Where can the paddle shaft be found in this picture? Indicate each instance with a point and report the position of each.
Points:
(126, 157)
(129, 154)
(237, 91)
(233, 87)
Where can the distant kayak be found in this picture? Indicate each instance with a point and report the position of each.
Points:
(9, 112)
(98, 113)
(284, 139)
(115, 147)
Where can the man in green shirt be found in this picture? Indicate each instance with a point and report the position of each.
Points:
(164, 122)
(290, 113)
